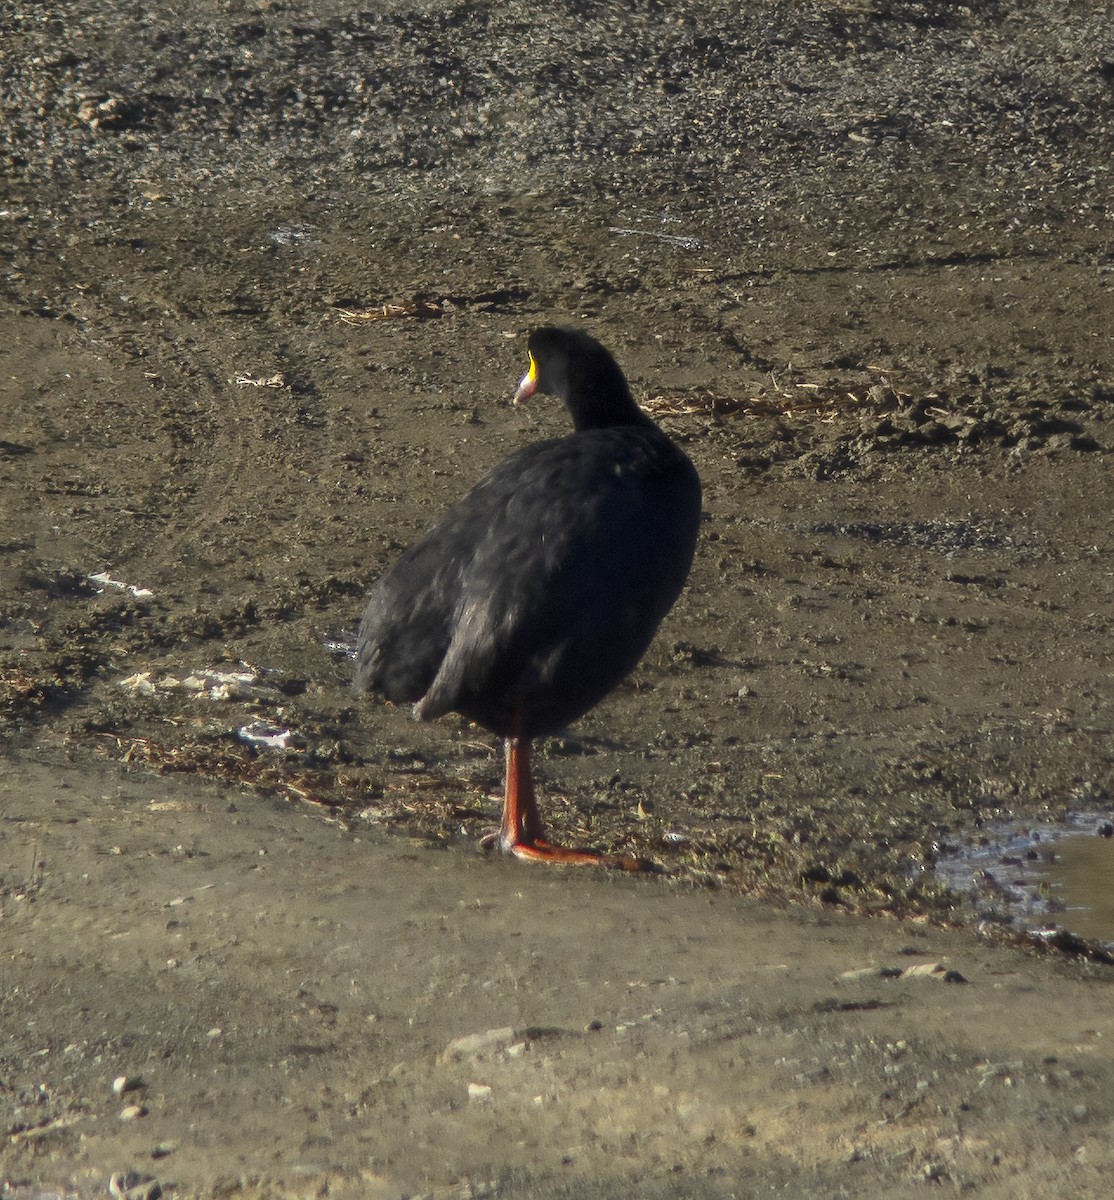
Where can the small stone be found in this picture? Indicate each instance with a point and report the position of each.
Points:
(924, 970)
(479, 1045)
(126, 1083)
(131, 1185)
(133, 1112)
(859, 973)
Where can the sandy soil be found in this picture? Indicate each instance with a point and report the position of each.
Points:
(267, 272)
(298, 1011)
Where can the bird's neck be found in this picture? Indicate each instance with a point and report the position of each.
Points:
(605, 409)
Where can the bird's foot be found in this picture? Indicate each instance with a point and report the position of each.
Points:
(539, 850)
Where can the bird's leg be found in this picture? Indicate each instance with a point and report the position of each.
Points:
(522, 823)
(522, 832)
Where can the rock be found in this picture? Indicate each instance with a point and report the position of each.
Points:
(859, 973)
(480, 1045)
(130, 1185)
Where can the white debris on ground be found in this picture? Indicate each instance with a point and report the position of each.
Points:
(209, 683)
(263, 733)
(139, 684)
(106, 581)
(342, 646)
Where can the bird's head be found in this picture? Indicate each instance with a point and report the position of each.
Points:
(571, 365)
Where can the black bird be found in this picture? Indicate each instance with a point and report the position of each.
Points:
(539, 592)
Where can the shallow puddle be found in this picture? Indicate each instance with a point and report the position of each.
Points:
(1081, 877)
(1040, 877)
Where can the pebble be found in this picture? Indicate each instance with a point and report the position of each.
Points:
(926, 970)
(923, 970)
(133, 1112)
(860, 973)
(479, 1045)
(130, 1185)
(126, 1083)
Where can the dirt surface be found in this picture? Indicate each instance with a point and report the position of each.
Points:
(297, 1012)
(267, 272)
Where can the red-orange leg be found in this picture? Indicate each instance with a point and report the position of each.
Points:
(522, 832)
(522, 823)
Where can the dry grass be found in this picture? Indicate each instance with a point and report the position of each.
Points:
(422, 310)
(785, 396)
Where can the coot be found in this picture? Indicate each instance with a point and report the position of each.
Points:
(539, 592)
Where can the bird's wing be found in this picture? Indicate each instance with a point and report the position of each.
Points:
(411, 612)
(571, 574)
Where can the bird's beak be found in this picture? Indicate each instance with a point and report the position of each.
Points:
(529, 384)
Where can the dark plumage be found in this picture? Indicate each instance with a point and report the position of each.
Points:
(539, 592)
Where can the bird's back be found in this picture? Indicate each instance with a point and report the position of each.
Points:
(538, 593)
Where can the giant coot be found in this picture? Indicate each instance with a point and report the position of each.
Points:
(539, 592)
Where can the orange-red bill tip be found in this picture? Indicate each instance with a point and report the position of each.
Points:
(529, 384)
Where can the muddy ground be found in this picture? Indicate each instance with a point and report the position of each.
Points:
(267, 272)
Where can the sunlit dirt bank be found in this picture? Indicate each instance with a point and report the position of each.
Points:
(267, 274)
